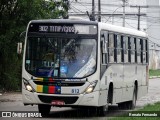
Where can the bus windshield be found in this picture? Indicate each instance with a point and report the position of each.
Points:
(60, 57)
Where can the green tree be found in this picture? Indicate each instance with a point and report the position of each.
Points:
(14, 17)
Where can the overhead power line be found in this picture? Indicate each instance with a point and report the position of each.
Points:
(139, 13)
(153, 37)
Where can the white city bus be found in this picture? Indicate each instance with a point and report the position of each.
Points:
(83, 63)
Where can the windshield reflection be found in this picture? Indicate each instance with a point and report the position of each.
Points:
(60, 57)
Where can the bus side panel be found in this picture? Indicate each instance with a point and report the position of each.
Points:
(103, 89)
(117, 76)
(113, 75)
(143, 87)
(103, 97)
(131, 74)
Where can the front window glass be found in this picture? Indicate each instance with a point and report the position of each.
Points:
(60, 57)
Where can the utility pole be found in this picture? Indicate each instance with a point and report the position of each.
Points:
(99, 10)
(93, 11)
(123, 12)
(139, 14)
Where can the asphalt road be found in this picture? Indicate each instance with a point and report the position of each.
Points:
(13, 102)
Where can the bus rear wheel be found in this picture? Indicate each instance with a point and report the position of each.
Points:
(44, 109)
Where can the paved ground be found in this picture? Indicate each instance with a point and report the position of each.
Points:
(13, 102)
(153, 93)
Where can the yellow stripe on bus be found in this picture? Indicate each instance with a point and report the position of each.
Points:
(39, 79)
(40, 88)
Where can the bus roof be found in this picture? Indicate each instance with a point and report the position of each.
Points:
(101, 25)
(123, 30)
(65, 21)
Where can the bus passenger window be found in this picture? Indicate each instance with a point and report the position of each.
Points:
(135, 42)
(111, 48)
(138, 50)
(122, 42)
(129, 49)
(141, 50)
(147, 52)
(119, 49)
(144, 51)
(115, 48)
(125, 39)
(132, 51)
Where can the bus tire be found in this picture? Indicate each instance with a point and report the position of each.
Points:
(102, 110)
(44, 109)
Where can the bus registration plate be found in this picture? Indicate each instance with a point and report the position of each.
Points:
(57, 102)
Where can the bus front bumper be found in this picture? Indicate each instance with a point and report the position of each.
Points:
(33, 98)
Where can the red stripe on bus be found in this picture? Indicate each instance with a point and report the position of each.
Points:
(51, 89)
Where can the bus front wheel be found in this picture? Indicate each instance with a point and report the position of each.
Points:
(102, 110)
(44, 109)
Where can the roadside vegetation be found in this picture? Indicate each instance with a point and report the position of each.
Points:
(15, 15)
(154, 72)
(148, 109)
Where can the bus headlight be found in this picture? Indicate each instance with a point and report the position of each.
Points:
(28, 86)
(91, 87)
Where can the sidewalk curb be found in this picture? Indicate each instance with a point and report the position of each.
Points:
(152, 77)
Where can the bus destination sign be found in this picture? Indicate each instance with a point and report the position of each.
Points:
(57, 29)
(62, 28)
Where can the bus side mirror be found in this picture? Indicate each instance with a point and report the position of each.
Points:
(19, 48)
